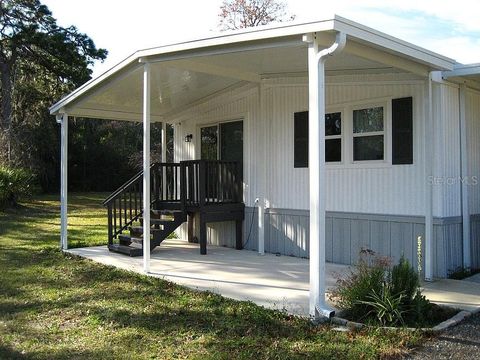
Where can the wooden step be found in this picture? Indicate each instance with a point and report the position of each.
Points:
(158, 221)
(137, 231)
(166, 212)
(129, 240)
(127, 250)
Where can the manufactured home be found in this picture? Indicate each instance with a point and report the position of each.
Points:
(313, 140)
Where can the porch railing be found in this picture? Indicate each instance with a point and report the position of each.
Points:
(185, 186)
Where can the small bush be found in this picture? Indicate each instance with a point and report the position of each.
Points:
(405, 280)
(15, 184)
(376, 292)
(368, 277)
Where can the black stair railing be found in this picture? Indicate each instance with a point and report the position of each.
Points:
(209, 182)
(179, 186)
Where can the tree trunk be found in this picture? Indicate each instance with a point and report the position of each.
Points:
(6, 123)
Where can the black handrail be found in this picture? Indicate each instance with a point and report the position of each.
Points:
(128, 183)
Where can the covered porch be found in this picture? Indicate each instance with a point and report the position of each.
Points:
(158, 85)
(276, 282)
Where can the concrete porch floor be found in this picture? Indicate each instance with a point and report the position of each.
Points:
(279, 282)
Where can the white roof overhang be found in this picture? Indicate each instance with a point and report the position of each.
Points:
(184, 73)
(465, 74)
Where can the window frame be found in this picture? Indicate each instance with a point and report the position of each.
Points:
(341, 136)
(329, 110)
(386, 105)
(217, 123)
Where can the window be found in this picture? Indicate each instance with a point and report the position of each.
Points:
(368, 134)
(333, 138)
(223, 141)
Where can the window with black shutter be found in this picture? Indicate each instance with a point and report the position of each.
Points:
(333, 138)
(402, 131)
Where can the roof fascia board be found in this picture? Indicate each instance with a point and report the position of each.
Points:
(370, 35)
(462, 70)
(219, 50)
(247, 36)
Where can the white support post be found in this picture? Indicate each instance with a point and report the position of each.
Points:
(146, 167)
(63, 119)
(317, 176)
(428, 151)
(262, 186)
(164, 142)
(465, 180)
(164, 160)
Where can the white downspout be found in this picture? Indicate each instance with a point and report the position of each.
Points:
(317, 177)
(63, 120)
(146, 167)
(464, 178)
(428, 151)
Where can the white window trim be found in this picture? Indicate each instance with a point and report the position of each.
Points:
(387, 120)
(341, 136)
(342, 111)
(346, 109)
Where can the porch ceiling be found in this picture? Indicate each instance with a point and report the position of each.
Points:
(186, 73)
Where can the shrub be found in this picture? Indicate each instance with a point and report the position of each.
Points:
(366, 278)
(374, 291)
(14, 184)
(404, 280)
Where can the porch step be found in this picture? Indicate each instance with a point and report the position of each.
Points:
(156, 221)
(127, 250)
(128, 240)
(137, 231)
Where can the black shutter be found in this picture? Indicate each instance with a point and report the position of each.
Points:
(402, 131)
(300, 136)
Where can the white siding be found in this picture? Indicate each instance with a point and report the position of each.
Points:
(378, 188)
(383, 188)
(473, 141)
(446, 151)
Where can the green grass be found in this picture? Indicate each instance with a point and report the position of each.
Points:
(56, 306)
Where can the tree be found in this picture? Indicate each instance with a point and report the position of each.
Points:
(30, 39)
(239, 14)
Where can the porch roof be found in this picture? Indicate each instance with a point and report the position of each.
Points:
(468, 74)
(187, 72)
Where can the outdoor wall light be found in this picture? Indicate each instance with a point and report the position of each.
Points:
(188, 138)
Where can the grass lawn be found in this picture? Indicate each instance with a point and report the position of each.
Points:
(55, 306)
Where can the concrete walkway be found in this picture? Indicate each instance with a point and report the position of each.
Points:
(279, 282)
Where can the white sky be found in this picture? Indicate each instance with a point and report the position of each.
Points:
(449, 27)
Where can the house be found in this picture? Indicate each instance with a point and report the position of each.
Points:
(344, 135)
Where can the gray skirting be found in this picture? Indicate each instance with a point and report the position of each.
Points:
(287, 233)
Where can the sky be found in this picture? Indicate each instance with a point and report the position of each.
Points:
(448, 27)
